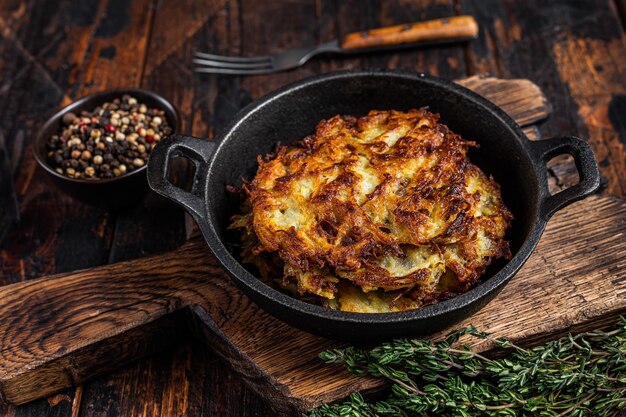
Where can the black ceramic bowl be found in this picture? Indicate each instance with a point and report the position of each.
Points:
(114, 192)
(292, 112)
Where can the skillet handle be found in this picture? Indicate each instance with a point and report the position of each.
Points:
(199, 152)
(588, 172)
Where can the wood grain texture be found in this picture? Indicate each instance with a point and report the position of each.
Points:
(431, 31)
(574, 51)
(190, 381)
(80, 321)
(122, 306)
(207, 103)
(45, 50)
(521, 99)
(556, 291)
(53, 52)
(9, 211)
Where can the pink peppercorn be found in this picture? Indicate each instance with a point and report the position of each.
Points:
(109, 128)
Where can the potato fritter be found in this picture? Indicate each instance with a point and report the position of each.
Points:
(378, 213)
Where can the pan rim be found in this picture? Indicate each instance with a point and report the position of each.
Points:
(272, 295)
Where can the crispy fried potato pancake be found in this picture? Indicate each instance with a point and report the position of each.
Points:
(378, 213)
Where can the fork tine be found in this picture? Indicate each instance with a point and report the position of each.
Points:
(231, 71)
(241, 59)
(233, 65)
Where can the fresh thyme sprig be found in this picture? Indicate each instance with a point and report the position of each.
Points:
(578, 375)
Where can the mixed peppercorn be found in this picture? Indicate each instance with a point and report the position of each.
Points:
(112, 140)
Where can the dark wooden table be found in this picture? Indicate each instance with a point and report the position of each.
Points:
(53, 52)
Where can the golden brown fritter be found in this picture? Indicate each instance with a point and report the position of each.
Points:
(383, 212)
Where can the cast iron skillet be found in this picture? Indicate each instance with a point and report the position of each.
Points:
(290, 113)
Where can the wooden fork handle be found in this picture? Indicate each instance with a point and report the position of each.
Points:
(447, 29)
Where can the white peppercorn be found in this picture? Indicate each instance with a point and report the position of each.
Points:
(113, 139)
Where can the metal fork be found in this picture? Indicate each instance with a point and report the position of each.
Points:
(452, 29)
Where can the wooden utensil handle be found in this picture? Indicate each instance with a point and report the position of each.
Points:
(450, 28)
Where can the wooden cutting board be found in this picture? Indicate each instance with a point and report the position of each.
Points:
(64, 329)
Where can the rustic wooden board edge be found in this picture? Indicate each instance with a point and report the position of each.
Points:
(186, 299)
(277, 395)
(74, 367)
(595, 316)
(301, 405)
(482, 84)
(195, 307)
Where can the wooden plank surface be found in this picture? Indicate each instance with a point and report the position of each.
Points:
(242, 28)
(77, 320)
(131, 307)
(55, 52)
(574, 51)
(183, 381)
(46, 50)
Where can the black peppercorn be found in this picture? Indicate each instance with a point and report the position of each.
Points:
(113, 139)
(68, 118)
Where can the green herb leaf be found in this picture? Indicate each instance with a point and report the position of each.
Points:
(580, 375)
